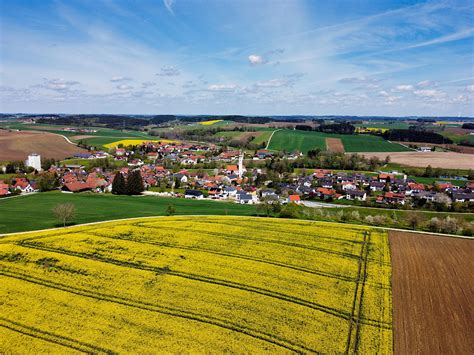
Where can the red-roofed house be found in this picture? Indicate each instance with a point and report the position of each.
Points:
(76, 186)
(294, 198)
(4, 189)
(232, 169)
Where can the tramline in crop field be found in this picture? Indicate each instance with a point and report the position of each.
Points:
(198, 283)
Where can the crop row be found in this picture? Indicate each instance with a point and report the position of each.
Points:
(271, 338)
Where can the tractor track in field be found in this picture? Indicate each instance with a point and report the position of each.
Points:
(233, 255)
(162, 310)
(334, 240)
(194, 277)
(52, 337)
(270, 241)
(357, 304)
(205, 279)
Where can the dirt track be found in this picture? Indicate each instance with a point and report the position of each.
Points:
(448, 160)
(17, 145)
(433, 294)
(334, 145)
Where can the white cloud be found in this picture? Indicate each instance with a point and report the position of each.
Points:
(358, 80)
(400, 88)
(223, 87)
(425, 83)
(428, 93)
(124, 87)
(273, 83)
(119, 79)
(169, 70)
(147, 84)
(256, 59)
(169, 5)
(470, 88)
(57, 84)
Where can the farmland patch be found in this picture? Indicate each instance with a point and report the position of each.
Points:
(432, 294)
(18, 145)
(334, 145)
(198, 283)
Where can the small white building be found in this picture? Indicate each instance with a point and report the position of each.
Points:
(34, 161)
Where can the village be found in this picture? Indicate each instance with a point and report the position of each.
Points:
(169, 169)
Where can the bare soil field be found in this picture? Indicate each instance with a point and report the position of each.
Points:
(17, 145)
(448, 160)
(246, 135)
(458, 130)
(432, 290)
(76, 138)
(334, 145)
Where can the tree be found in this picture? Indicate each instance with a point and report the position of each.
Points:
(470, 174)
(265, 205)
(47, 181)
(135, 183)
(428, 171)
(414, 220)
(170, 210)
(65, 212)
(118, 186)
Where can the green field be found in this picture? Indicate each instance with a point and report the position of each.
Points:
(229, 134)
(99, 207)
(198, 285)
(430, 180)
(291, 140)
(387, 125)
(263, 137)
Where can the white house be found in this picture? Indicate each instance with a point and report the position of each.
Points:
(34, 161)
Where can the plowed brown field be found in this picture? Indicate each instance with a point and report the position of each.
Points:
(433, 293)
(17, 145)
(334, 145)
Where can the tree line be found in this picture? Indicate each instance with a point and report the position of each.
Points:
(132, 185)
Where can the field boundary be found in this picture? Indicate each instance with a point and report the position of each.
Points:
(200, 215)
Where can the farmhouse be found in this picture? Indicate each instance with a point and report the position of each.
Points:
(76, 186)
(294, 199)
(195, 194)
(243, 197)
(463, 197)
(23, 185)
(4, 189)
(356, 195)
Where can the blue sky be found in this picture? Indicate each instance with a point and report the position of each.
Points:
(252, 57)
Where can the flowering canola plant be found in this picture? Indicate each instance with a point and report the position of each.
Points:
(208, 123)
(128, 142)
(237, 284)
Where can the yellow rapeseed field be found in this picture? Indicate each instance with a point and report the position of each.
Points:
(208, 123)
(127, 142)
(197, 284)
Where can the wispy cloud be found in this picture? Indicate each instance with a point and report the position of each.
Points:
(169, 5)
(168, 70)
(118, 79)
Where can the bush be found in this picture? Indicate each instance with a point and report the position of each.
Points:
(291, 210)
